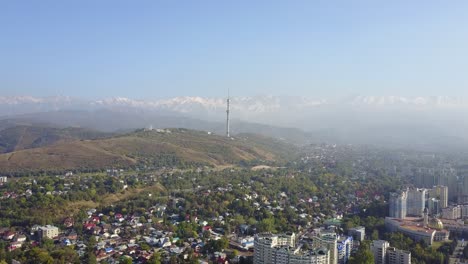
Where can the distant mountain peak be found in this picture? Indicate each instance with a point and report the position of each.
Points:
(410, 101)
(241, 107)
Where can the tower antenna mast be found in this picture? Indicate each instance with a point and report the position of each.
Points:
(227, 116)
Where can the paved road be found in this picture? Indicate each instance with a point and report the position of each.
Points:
(454, 259)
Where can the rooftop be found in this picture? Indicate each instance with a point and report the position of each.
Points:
(413, 223)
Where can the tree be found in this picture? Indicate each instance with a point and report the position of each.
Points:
(91, 243)
(266, 225)
(91, 258)
(66, 255)
(47, 243)
(38, 255)
(144, 246)
(127, 260)
(375, 234)
(235, 253)
(217, 245)
(363, 255)
(223, 242)
(155, 259)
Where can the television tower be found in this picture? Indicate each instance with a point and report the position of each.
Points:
(227, 116)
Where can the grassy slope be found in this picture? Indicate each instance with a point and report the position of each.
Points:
(183, 145)
(26, 137)
(72, 208)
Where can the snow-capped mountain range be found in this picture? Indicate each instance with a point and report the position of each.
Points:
(290, 111)
(258, 104)
(440, 101)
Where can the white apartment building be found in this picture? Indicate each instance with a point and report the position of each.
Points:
(281, 249)
(330, 242)
(48, 231)
(398, 204)
(379, 250)
(344, 247)
(464, 211)
(440, 192)
(398, 256)
(415, 202)
(452, 212)
(384, 254)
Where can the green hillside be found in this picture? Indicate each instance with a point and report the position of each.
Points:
(33, 136)
(179, 147)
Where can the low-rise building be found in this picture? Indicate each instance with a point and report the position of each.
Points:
(416, 229)
(452, 212)
(48, 231)
(247, 242)
(456, 226)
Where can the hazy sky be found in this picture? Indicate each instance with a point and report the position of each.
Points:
(153, 49)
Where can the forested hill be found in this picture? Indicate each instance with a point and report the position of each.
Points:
(169, 147)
